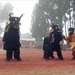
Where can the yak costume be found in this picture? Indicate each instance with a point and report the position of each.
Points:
(11, 39)
(55, 38)
(46, 49)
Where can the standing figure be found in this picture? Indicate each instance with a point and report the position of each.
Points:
(46, 48)
(11, 39)
(71, 40)
(55, 38)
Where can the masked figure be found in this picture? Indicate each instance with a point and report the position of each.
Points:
(11, 38)
(71, 39)
(54, 39)
(46, 48)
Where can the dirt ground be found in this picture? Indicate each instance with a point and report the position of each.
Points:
(33, 64)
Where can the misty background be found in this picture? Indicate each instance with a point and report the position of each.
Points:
(43, 14)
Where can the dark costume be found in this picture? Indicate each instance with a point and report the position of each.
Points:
(55, 38)
(11, 39)
(46, 49)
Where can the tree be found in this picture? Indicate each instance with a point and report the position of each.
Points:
(39, 24)
(4, 14)
(46, 12)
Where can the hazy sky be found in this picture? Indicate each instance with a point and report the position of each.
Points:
(23, 7)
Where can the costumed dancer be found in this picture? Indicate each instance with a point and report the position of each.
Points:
(46, 48)
(55, 38)
(11, 38)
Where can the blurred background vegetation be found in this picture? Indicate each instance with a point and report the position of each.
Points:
(4, 14)
(45, 12)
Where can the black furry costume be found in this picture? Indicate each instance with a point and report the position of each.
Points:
(52, 43)
(46, 49)
(55, 43)
(11, 39)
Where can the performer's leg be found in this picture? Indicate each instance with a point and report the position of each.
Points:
(11, 53)
(59, 53)
(8, 55)
(73, 53)
(17, 54)
(46, 54)
(51, 52)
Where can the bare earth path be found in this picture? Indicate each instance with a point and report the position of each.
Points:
(33, 64)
